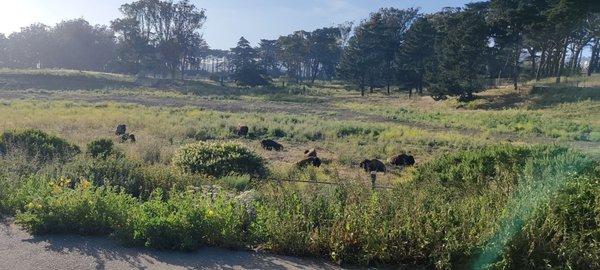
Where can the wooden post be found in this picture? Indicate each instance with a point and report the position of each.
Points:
(373, 179)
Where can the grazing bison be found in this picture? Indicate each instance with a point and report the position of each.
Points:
(402, 160)
(123, 138)
(310, 153)
(373, 165)
(271, 145)
(309, 161)
(241, 130)
(132, 138)
(120, 130)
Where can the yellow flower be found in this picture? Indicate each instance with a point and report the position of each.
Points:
(30, 205)
(85, 184)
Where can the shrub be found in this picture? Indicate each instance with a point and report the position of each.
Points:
(101, 148)
(186, 221)
(36, 144)
(133, 176)
(84, 210)
(235, 182)
(112, 171)
(219, 159)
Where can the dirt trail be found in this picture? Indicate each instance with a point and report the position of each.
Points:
(19, 250)
(323, 109)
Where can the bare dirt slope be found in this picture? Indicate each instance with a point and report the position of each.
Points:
(19, 250)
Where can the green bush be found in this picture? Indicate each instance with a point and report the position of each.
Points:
(219, 159)
(83, 210)
(134, 177)
(36, 145)
(101, 148)
(186, 221)
(235, 182)
(113, 171)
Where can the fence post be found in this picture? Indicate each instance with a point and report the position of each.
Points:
(373, 179)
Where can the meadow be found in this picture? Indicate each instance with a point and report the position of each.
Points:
(508, 181)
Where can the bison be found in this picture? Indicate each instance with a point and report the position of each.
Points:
(271, 145)
(373, 165)
(402, 160)
(241, 130)
(309, 161)
(120, 130)
(132, 138)
(310, 153)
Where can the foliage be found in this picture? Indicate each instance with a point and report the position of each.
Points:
(219, 159)
(85, 209)
(101, 148)
(37, 145)
(246, 72)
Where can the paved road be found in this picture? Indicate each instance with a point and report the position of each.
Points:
(19, 250)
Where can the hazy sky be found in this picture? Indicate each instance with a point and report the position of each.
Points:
(227, 19)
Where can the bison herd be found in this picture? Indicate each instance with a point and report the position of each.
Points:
(310, 155)
(311, 158)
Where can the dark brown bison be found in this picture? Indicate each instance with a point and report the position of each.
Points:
(309, 161)
(271, 145)
(123, 138)
(310, 152)
(132, 138)
(241, 130)
(373, 165)
(120, 130)
(402, 160)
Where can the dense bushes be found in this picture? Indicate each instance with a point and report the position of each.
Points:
(102, 148)
(184, 221)
(506, 207)
(133, 176)
(36, 144)
(219, 159)
(85, 209)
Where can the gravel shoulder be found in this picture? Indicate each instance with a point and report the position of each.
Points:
(19, 250)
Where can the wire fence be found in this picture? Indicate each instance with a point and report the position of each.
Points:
(326, 183)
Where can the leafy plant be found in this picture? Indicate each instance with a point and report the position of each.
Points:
(36, 144)
(219, 159)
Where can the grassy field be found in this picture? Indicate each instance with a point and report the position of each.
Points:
(479, 195)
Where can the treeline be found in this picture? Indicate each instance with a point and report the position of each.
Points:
(71, 44)
(456, 51)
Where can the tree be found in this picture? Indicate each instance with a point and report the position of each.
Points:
(82, 46)
(511, 19)
(159, 35)
(246, 71)
(415, 54)
(3, 51)
(292, 53)
(31, 47)
(372, 52)
(460, 44)
(267, 55)
(358, 64)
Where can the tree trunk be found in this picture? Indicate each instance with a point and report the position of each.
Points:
(533, 57)
(593, 59)
(182, 68)
(515, 75)
(539, 69)
(561, 65)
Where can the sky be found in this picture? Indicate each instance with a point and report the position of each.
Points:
(227, 21)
